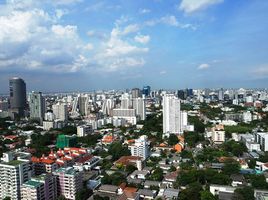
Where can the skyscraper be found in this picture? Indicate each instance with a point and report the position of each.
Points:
(83, 105)
(107, 106)
(136, 93)
(146, 90)
(37, 106)
(60, 111)
(17, 89)
(171, 115)
(139, 106)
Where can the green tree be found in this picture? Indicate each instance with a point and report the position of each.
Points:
(7, 198)
(157, 174)
(237, 148)
(258, 182)
(198, 124)
(117, 150)
(61, 197)
(207, 195)
(192, 192)
(231, 167)
(245, 193)
(173, 139)
(191, 138)
(130, 168)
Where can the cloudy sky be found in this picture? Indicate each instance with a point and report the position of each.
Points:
(81, 45)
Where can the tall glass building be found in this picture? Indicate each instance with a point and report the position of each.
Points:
(17, 89)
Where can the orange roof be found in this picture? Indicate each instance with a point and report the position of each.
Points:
(130, 189)
(47, 161)
(130, 141)
(42, 160)
(178, 148)
(162, 145)
(126, 160)
(123, 186)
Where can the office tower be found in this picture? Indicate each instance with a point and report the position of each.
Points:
(140, 147)
(17, 88)
(69, 182)
(83, 105)
(13, 174)
(60, 111)
(146, 90)
(37, 106)
(135, 92)
(189, 92)
(181, 94)
(221, 95)
(43, 187)
(107, 106)
(171, 115)
(139, 106)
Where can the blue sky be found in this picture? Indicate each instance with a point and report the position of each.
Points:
(80, 45)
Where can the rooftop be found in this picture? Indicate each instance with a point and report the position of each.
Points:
(14, 162)
(33, 183)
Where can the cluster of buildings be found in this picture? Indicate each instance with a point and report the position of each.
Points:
(48, 177)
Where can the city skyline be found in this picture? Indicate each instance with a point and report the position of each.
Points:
(80, 45)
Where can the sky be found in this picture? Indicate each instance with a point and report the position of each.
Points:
(85, 45)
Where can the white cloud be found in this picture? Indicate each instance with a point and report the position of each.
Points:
(190, 6)
(261, 72)
(33, 39)
(204, 66)
(66, 2)
(68, 31)
(89, 46)
(143, 39)
(132, 28)
(170, 20)
(118, 52)
(144, 11)
(163, 72)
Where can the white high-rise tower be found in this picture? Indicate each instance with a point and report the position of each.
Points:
(171, 115)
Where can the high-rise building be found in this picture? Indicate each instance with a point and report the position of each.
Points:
(146, 90)
(221, 95)
(171, 115)
(181, 94)
(107, 106)
(139, 106)
(13, 174)
(43, 187)
(135, 92)
(37, 106)
(69, 182)
(60, 111)
(83, 105)
(17, 89)
(140, 147)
